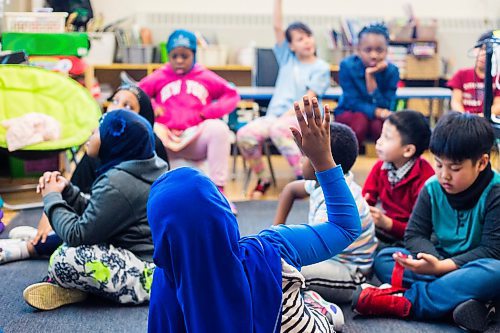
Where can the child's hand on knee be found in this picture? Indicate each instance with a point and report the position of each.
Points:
(313, 138)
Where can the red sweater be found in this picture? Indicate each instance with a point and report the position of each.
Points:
(397, 201)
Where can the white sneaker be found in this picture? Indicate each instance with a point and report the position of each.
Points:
(23, 232)
(12, 250)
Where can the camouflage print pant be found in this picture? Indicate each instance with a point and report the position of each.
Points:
(104, 270)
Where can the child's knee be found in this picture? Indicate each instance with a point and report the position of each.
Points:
(246, 140)
(280, 131)
(486, 265)
(384, 263)
(216, 127)
(60, 265)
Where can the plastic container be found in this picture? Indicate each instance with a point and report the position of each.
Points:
(32, 168)
(45, 44)
(34, 22)
(427, 29)
(102, 48)
(212, 55)
(163, 52)
(138, 54)
(401, 30)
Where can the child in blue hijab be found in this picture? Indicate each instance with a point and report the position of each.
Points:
(107, 247)
(208, 279)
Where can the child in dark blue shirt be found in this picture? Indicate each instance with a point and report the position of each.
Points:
(369, 84)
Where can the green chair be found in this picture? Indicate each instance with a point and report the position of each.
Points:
(26, 89)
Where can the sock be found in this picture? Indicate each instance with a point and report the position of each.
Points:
(13, 250)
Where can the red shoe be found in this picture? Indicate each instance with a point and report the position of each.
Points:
(260, 189)
(378, 301)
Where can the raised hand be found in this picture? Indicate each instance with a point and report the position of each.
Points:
(313, 138)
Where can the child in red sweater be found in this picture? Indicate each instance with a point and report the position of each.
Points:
(396, 179)
(468, 83)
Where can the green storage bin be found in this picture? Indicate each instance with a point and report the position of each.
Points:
(163, 53)
(63, 44)
(32, 168)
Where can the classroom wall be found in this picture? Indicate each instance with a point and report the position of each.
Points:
(239, 23)
(488, 9)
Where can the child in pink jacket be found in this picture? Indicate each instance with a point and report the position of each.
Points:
(189, 100)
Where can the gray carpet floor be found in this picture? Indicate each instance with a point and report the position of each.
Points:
(97, 315)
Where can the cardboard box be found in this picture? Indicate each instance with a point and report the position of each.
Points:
(425, 68)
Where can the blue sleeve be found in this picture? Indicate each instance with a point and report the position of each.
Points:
(320, 80)
(304, 244)
(352, 98)
(282, 53)
(386, 98)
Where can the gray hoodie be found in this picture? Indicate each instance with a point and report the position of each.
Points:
(115, 213)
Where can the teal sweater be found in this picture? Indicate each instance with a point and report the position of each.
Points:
(462, 235)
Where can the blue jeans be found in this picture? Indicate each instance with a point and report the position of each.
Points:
(433, 297)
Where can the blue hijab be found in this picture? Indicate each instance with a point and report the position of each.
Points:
(182, 38)
(125, 136)
(208, 279)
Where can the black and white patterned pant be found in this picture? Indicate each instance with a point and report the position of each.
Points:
(104, 270)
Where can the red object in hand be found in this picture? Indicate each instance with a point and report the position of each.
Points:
(397, 272)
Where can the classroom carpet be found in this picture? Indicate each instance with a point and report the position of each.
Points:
(98, 315)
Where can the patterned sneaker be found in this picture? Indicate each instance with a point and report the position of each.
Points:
(381, 301)
(473, 316)
(260, 189)
(23, 233)
(331, 311)
(50, 296)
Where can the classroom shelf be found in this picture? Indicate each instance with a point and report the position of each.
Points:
(110, 74)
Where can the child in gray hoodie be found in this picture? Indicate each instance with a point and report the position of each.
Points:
(107, 247)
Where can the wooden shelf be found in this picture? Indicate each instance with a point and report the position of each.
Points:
(237, 74)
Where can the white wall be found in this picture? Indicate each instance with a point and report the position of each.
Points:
(237, 22)
(488, 9)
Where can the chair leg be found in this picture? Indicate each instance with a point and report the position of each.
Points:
(244, 163)
(247, 181)
(267, 151)
(234, 152)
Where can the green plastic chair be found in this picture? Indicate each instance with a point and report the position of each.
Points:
(26, 89)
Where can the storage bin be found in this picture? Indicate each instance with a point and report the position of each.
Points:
(58, 44)
(422, 68)
(32, 168)
(138, 54)
(102, 48)
(212, 55)
(401, 30)
(34, 22)
(427, 29)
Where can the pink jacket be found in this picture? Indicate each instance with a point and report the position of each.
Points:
(189, 99)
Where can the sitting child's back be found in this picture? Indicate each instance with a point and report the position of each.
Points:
(335, 279)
